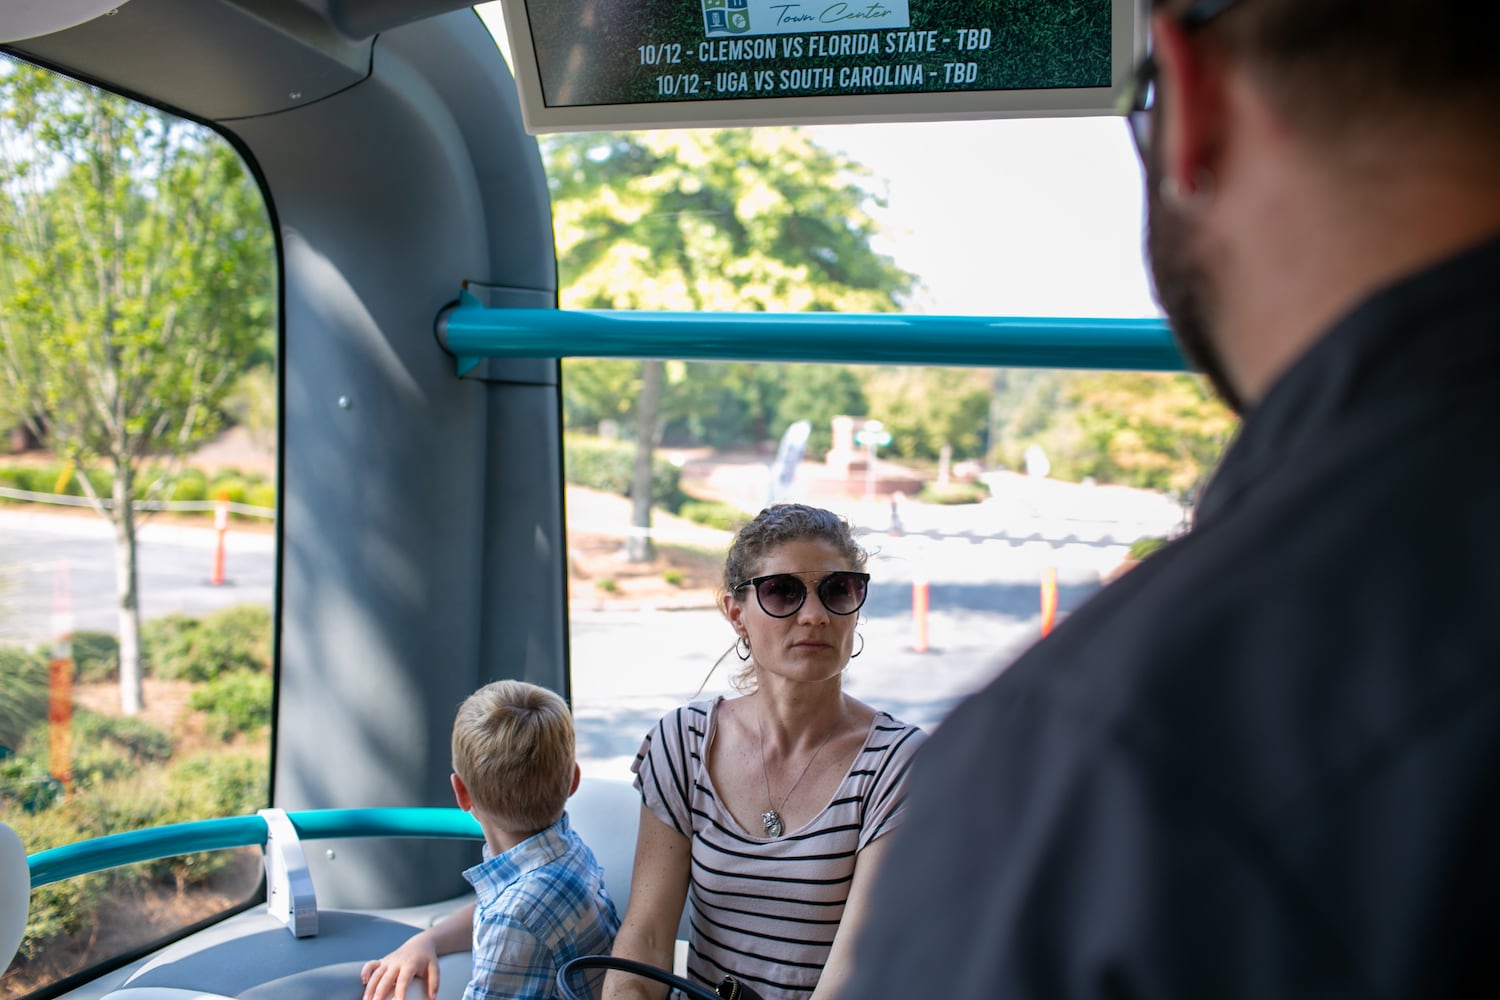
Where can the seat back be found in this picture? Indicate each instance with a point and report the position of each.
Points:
(606, 813)
(15, 893)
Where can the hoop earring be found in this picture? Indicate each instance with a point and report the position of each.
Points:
(743, 642)
(861, 648)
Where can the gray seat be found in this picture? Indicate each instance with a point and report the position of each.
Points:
(606, 813)
(15, 893)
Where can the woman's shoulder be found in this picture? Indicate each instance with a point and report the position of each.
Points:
(889, 733)
(690, 721)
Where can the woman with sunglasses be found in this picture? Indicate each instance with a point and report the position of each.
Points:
(769, 811)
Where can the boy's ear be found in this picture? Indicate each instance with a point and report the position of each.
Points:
(461, 793)
(577, 777)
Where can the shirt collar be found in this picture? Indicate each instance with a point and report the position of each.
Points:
(1385, 353)
(493, 874)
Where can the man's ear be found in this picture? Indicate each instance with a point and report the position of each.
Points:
(461, 793)
(1192, 103)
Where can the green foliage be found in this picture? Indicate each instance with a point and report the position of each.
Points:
(715, 514)
(157, 793)
(96, 656)
(136, 260)
(190, 485)
(261, 495)
(954, 493)
(924, 409)
(1142, 429)
(607, 584)
(230, 488)
(237, 701)
(108, 747)
(26, 784)
(608, 466)
(1144, 547)
(817, 394)
(198, 649)
(733, 220)
(674, 577)
(23, 695)
(65, 907)
(252, 402)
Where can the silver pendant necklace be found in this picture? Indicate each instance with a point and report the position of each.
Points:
(771, 818)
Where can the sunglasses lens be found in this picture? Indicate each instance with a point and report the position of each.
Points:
(842, 593)
(780, 595)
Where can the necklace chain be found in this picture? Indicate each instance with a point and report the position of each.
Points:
(771, 818)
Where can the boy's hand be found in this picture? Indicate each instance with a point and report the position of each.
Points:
(388, 977)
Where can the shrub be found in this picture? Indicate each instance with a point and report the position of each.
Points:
(199, 649)
(96, 656)
(231, 488)
(237, 701)
(954, 493)
(25, 783)
(261, 495)
(203, 787)
(607, 584)
(105, 749)
(190, 485)
(1143, 547)
(715, 514)
(207, 787)
(23, 693)
(673, 577)
(64, 907)
(221, 784)
(109, 747)
(608, 466)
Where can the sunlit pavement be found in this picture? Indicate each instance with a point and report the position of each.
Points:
(981, 567)
(51, 563)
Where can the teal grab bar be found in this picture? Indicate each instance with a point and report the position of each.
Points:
(173, 839)
(472, 332)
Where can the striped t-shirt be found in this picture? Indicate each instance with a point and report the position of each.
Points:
(766, 910)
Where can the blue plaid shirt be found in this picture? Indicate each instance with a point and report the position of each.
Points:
(541, 904)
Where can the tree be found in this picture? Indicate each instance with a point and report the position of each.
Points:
(927, 408)
(734, 220)
(136, 282)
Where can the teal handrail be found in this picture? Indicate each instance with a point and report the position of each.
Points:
(471, 332)
(173, 839)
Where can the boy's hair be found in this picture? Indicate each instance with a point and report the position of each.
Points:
(513, 747)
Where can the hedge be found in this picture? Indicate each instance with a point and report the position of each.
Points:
(609, 466)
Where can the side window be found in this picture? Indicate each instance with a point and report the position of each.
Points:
(138, 337)
(993, 502)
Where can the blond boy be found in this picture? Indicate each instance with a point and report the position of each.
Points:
(540, 894)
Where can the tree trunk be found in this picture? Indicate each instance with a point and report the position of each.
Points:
(647, 408)
(126, 579)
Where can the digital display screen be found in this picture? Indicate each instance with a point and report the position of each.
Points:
(584, 64)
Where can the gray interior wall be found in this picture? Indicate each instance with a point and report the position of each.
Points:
(421, 522)
(394, 484)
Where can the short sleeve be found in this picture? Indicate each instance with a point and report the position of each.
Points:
(885, 800)
(670, 756)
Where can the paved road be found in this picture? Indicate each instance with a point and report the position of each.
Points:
(985, 608)
(37, 551)
(983, 573)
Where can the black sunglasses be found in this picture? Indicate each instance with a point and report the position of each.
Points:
(782, 595)
(1139, 96)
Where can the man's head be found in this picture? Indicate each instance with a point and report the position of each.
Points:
(513, 753)
(1282, 125)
